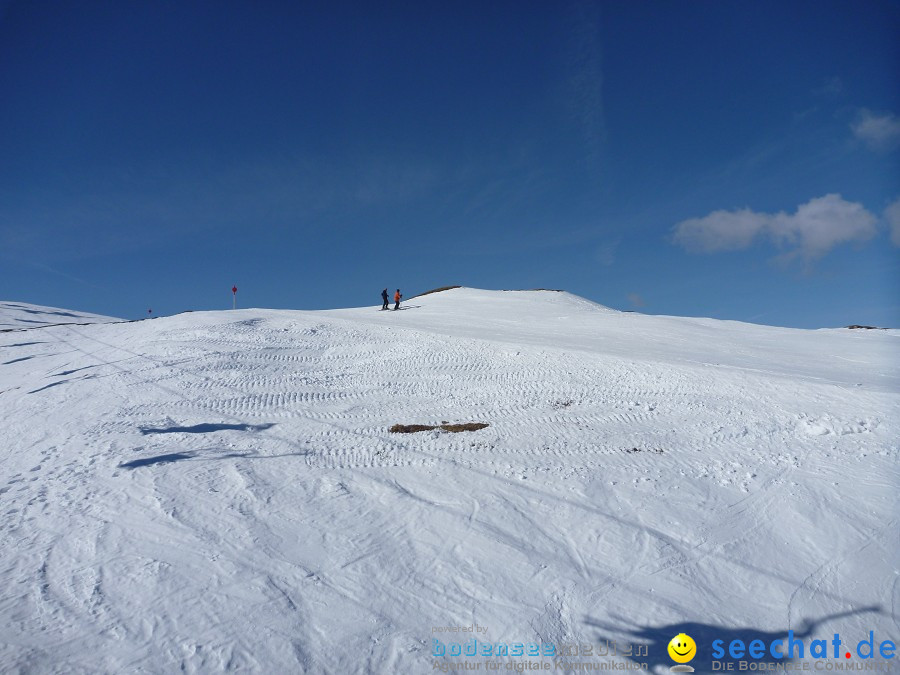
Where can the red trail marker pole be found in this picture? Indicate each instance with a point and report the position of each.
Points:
(234, 297)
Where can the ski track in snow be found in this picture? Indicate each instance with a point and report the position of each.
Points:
(218, 491)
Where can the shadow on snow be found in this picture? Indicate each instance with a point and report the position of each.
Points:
(159, 459)
(192, 456)
(207, 428)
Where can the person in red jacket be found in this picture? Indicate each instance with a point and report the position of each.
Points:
(397, 297)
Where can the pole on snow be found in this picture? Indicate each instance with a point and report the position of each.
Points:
(234, 297)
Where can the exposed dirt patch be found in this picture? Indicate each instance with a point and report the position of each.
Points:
(468, 426)
(410, 428)
(453, 428)
(561, 403)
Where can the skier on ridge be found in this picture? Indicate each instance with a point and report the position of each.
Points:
(397, 297)
(384, 299)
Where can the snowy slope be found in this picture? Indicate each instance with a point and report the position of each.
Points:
(218, 491)
(24, 315)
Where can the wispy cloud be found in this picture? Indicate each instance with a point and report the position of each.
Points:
(136, 210)
(65, 275)
(831, 87)
(892, 217)
(814, 229)
(606, 253)
(635, 299)
(585, 82)
(880, 132)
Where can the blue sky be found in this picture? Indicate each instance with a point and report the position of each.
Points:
(729, 159)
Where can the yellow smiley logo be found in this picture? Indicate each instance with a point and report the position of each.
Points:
(682, 648)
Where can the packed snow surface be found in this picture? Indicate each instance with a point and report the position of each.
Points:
(24, 315)
(218, 491)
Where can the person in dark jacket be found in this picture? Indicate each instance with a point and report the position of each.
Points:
(397, 297)
(384, 299)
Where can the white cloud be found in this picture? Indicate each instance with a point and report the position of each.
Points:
(892, 216)
(823, 223)
(720, 231)
(879, 132)
(817, 226)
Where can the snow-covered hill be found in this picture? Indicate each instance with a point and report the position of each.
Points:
(23, 315)
(218, 491)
